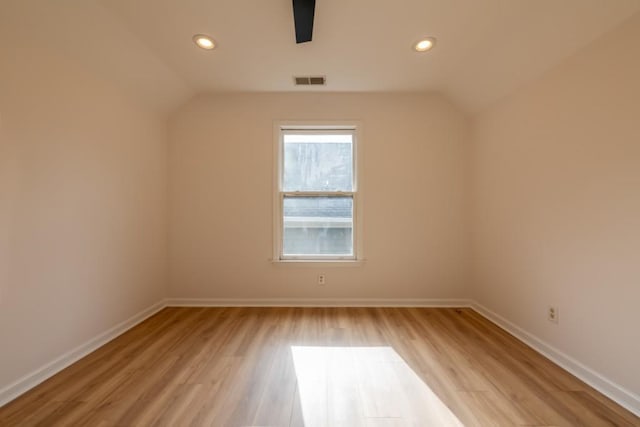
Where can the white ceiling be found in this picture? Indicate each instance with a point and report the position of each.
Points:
(485, 50)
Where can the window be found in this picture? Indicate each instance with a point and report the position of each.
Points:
(316, 201)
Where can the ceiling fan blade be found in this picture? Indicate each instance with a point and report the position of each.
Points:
(303, 12)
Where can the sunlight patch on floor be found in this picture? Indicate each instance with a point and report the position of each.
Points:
(364, 386)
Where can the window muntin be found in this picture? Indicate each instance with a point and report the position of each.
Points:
(317, 194)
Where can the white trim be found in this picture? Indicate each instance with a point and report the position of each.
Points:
(620, 395)
(27, 382)
(317, 263)
(316, 302)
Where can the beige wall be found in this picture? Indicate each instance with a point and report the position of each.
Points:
(552, 177)
(221, 167)
(82, 207)
(556, 185)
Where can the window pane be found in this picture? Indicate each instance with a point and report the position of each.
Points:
(318, 226)
(318, 162)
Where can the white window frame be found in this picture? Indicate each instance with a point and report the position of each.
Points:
(280, 129)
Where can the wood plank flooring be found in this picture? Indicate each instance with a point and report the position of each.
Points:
(314, 367)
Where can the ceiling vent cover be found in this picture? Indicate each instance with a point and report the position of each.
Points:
(310, 80)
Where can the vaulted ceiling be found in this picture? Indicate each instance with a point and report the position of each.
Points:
(485, 48)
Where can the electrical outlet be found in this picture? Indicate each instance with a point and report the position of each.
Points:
(321, 279)
(553, 314)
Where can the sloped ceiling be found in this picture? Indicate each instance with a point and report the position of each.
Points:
(485, 49)
(88, 34)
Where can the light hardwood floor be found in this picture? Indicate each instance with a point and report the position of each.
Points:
(314, 367)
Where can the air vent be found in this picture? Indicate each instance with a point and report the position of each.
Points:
(310, 80)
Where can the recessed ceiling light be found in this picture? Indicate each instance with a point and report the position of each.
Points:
(204, 41)
(424, 44)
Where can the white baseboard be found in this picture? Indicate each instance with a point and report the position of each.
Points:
(615, 392)
(316, 302)
(43, 373)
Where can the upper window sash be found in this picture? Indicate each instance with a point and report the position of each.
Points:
(296, 181)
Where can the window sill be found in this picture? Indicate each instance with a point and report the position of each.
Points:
(319, 263)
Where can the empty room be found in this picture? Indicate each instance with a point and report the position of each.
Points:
(319, 213)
